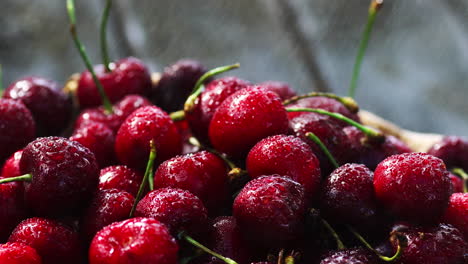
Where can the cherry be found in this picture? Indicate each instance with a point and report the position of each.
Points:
(283, 90)
(176, 84)
(50, 107)
(201, 173)
(11, 167)
(348, 196)
(325, 103)
(210, 99)
(129, 104)
(17, 127)
(120, 177)
(350, 256)
(53, 241)
(147, 123)
(457, 212)
(271, 210)
(18, 253)
(98, 138)
(285, 155)
(178, 209)
(13, 209)
(245, 118)
(438, 244)
(457, 183)
(453, 151)
(135, 240)
(108, 206)
(414, 186)
(62, 175)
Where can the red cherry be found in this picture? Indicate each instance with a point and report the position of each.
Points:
(325, 103)
(414, 186)
(136, 240)
(53, 241)
(457, 212)
(13, 209)
(11, 167)
(283, 90)
(457, 183)
(121, 178)
(18, 253)
(245, 118)
(453, 151)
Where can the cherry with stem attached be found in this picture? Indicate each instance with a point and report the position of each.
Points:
(322, 146)
(348, 102)
(460, 172)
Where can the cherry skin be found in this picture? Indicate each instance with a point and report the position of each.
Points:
(98, 138)
(350, 256)
(285, 155)
(245, 118)
(17, 127)
(132, 144)
(18, 253)
(135, 240)
(325, 103)
(51, 108)
(457, 213)
(108, 206)
(120, 177)
(127, 76)
(53, 241)
(178, 209)
(414, 186)
(11, 167)
(210, 99)
(64, 175)
(176, 84)
(283, 90)
(202, 173)
(457, 183)
(13, 209)
(270, 210)
(453, 151)
(442, 243)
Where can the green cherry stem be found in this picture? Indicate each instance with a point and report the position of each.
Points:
(147, 177)
(25, 177)
(382, 257)
(81, 49)
(348, 102)
(103, 33)
(332, 231)
(460, 172)
(372, 14)
(369, 132)
(192, 241)
(177, 115)
(322, 146)
(198, 88)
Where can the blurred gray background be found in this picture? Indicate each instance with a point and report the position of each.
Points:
(415, 71)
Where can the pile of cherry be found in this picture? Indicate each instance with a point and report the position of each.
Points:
(193, 168)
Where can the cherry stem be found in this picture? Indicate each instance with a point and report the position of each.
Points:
(105, 18)
(148, 177)
(177, 115)
(322, 146)
(382, 257)
(373, 134)
(373, 9)
(192, 241)
(348, 102)
(460, 172)
(332, 231)
(25, 177)
(81, 49)
(198, 88)
(289, 260)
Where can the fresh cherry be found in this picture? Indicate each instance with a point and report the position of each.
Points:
(120, 177)
(13, 209)
(18, 253)
(11, 167)
(453, 151)
(457, 213)
(457, 183)
(325, 103)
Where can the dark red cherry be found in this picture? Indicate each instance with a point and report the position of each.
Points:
(288, 156)
(129, 104)
(457, 183)
(245, 118)
(270, 210)
(64, 175)
(453, 151)
(283, 90)
(127, 76)
(414, 186)
(201, 173)
(53, 241)
(11, 167)
(350, 256)
(439, 244)
(121, 178)
(135, 240)
(210, 99)
(325, 103)
(98, 138)
(18, 253)
(108, 206)
(17, 127)
(178, 209)
(13, 209)
(50, 106)
(132, 144)
(457, 213)
(348, 196)
(176, 84)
